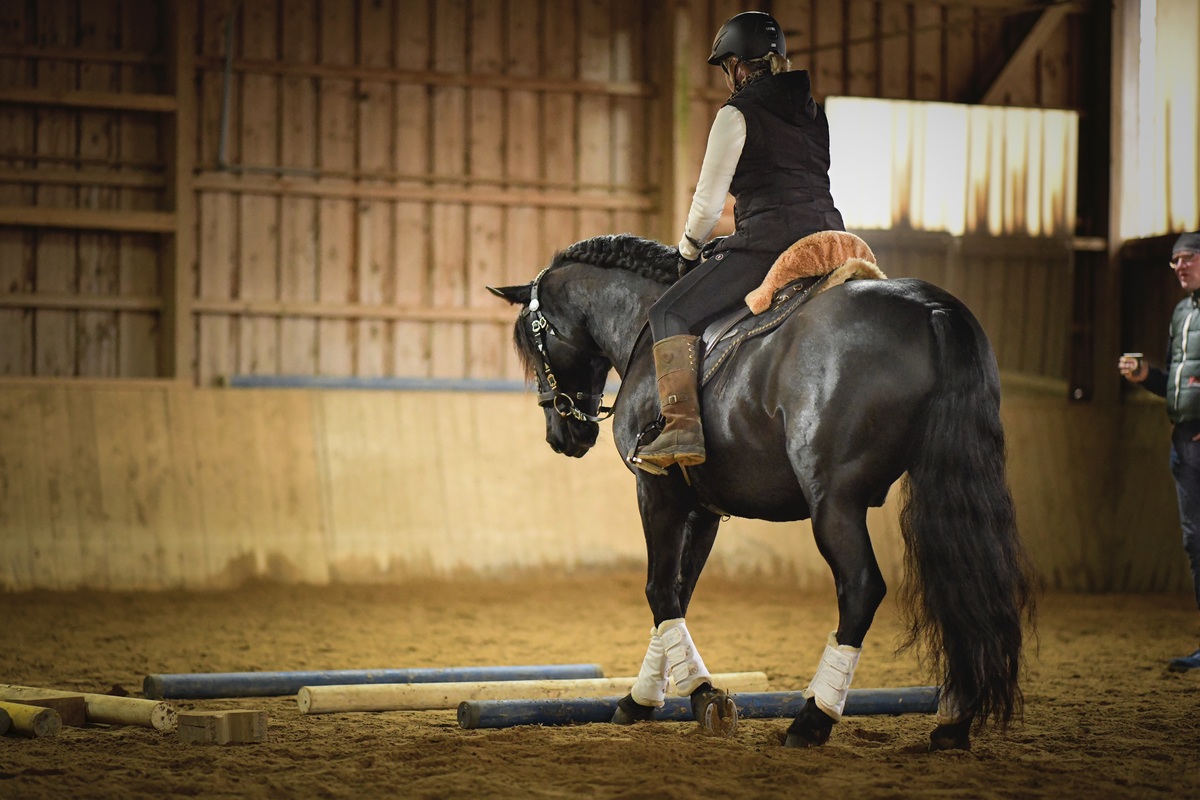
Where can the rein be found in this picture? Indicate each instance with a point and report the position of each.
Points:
(564, 404)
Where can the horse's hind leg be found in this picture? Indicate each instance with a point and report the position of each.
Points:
(840, 528)
(953, 731)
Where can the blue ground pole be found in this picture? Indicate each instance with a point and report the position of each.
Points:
(751, 705)
(213, 685)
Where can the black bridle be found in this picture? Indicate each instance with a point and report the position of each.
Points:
(565, 404)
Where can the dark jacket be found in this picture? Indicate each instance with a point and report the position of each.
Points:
(781, 185)
(1180, 382)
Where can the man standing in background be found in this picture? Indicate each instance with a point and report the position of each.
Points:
(1179, 383)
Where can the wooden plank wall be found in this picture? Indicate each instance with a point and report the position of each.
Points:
(175, 487)
(427, 149)
(80, 302)
(384, 160)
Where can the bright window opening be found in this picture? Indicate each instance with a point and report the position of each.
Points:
(953, 168)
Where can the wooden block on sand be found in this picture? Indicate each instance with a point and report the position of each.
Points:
(72, 708)
(222, 727)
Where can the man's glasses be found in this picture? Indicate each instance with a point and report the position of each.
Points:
(1181, 259)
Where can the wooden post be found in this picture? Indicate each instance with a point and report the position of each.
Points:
(677, 167)
(1126, 102)
(176, 346)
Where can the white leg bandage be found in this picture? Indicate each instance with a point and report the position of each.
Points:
(650, 689)
(686, 667)
(831, 684)
(948, 709)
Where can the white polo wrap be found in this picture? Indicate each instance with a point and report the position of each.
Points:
(948, 711)
(683, 661)
(831, 684)
(650, 689)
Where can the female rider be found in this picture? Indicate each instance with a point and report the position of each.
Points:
(769, 147)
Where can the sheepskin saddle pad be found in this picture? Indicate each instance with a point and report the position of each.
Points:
(814, 264)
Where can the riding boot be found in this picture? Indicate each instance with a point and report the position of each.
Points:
(682, 437)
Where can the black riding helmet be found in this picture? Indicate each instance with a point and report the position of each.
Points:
(749, 35)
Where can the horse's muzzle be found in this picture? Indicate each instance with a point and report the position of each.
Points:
(571, 439)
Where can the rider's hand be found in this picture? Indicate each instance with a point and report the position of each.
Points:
(1134, 370)
(686, 265)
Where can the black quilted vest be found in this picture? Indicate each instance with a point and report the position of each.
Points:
(781, 185)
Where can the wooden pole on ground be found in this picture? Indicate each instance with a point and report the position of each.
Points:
(105, 709)
(213, 685)
(32, 721)
(425, 696)
(751, 705)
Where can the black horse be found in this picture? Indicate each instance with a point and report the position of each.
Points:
(818, 419)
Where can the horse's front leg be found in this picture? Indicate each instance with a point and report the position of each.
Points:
(679, 537)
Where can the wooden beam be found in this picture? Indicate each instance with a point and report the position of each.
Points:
(79, 302)
(45, 217)
(118, 101)
(83, 177)
(77, 54)
(355, 311)
(1021, 59)
(429, 179)
(303, 186)
(176, 350)
(427, 78)
(60, 382)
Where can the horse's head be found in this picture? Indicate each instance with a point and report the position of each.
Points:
(560, 356)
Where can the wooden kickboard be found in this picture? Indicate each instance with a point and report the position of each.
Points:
(222, 727)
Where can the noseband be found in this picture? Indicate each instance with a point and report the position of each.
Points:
(563, 403)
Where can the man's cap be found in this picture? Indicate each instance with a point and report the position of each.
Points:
(1187, 243)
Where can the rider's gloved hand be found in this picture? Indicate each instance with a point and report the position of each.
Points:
(686, 265)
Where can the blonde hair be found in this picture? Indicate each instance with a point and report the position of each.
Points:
(771, 62)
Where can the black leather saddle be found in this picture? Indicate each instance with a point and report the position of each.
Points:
(722, 338)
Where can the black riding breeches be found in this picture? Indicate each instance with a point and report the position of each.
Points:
(708, 292)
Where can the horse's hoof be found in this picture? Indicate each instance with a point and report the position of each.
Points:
(714, 710)
(954, 736)
(630, 711)
(811, 728)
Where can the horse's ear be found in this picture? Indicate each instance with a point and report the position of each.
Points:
(517, 295)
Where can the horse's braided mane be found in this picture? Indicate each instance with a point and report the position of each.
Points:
(644, 257)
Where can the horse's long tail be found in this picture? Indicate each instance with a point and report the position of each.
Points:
(968, 588)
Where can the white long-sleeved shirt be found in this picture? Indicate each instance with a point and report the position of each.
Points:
(726, 139)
